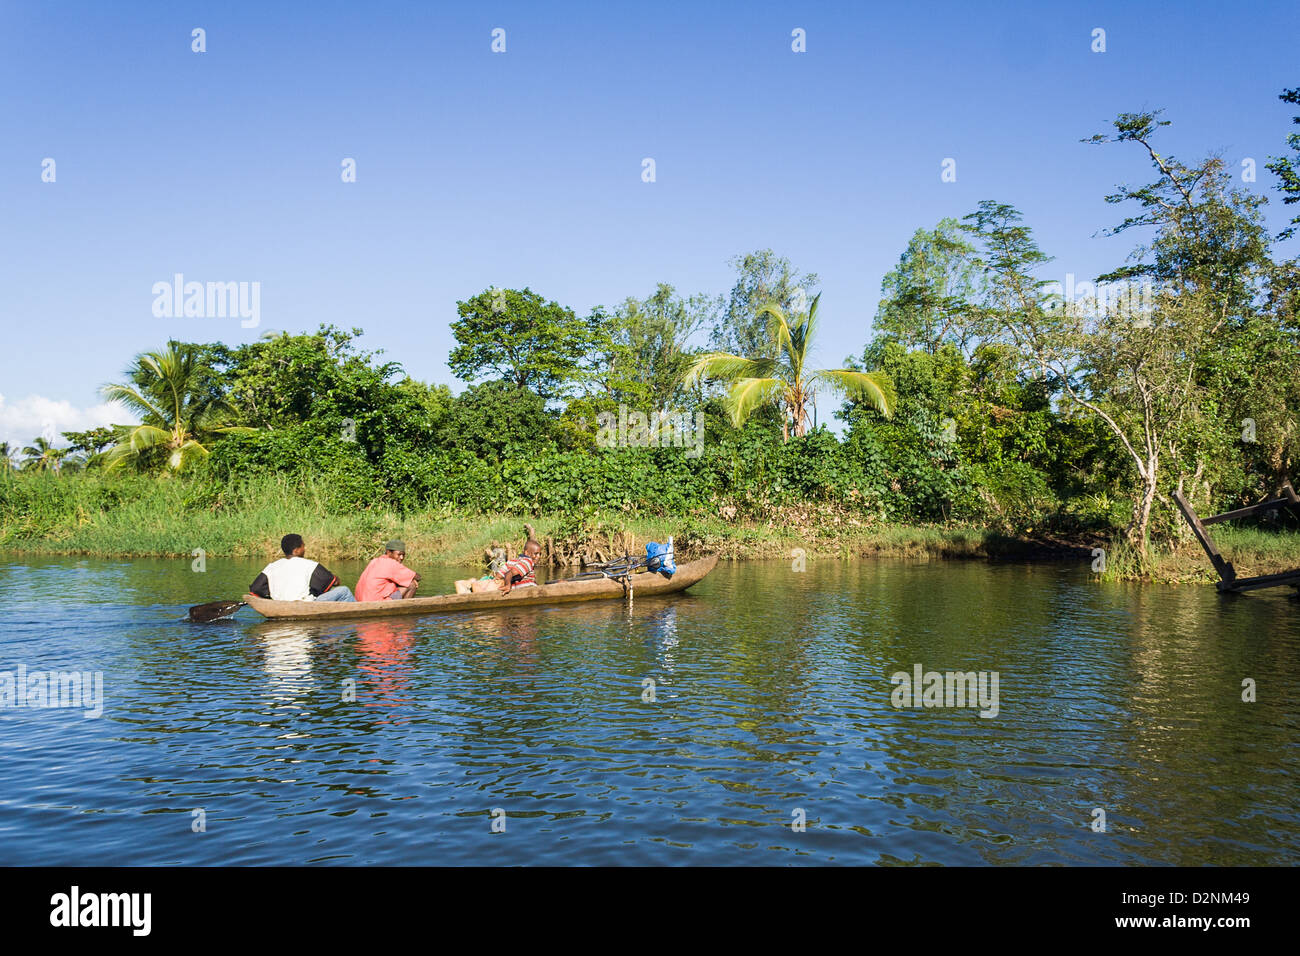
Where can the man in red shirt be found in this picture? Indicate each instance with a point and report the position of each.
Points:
(387, 577)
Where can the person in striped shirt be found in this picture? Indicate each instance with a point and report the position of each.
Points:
(519, 572)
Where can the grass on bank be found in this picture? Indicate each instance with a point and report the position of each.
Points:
(146, 517)
(1252, 551)
(138, 517)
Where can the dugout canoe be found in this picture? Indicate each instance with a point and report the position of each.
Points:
(558, 592)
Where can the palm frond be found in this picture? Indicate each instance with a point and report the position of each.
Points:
(188, 454)
(724, 366)
(778, 328)
(133, 399)
(749, 393)
(874, 388)
(802, 337)
(137, 440)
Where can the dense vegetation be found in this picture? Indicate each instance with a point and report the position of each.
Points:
(989, 395)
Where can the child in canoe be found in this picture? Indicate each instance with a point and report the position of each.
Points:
(519, 572)
(504, 575)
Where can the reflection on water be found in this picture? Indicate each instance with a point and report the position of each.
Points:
(287, 658)
(390, 741)
(386, 663)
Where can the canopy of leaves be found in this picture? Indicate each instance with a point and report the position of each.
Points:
(928, 296)
(177, 398)
(517, 336)
(762, 278)
(496, 420)
(649, 348)
(287, 379)
(92, 441)
(1287, 168)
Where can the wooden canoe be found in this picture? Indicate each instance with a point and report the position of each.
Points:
(558, 592)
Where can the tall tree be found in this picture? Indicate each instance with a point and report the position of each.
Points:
(1287, 168)
(786, 381)
(928, 296)
(287, 380)
(92, 441)
(1136, 362)
(179, 414)
(88, 446)
(519, 337)
(762, 278)
(649, 346)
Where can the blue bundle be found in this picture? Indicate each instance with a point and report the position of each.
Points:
(659, 557)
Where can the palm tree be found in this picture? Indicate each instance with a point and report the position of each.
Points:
(6, 456)
(42, 456)
(70, 461)
(178, 418)
(785, 381)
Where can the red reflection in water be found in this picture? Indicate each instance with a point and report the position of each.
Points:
(386, 660)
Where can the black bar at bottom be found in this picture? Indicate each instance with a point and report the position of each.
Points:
(338, 906)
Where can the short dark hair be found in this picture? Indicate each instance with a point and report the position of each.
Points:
(289, 542)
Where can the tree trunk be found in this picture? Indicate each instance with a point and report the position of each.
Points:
(1140, 525)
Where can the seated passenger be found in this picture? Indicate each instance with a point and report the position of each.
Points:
(295, 578)
(387, 578)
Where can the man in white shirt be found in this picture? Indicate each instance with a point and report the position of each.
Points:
(295, 578)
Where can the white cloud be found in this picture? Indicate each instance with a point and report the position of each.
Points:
(22, 420)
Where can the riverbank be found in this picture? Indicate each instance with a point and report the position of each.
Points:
(442, 537)
(453, 540)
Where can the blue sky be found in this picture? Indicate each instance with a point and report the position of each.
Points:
(521, 168)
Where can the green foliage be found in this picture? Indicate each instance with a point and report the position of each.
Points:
(928, 296)
(44, 505)
(181, 407)
(784, 379)
(969, 440)
(497, 420)
(90, 442)
(288, 379)
(519, 337)
(1011, 409)
(41, 456)
(342, 468)
(1287, 168)
(762, 277)
(649, 351)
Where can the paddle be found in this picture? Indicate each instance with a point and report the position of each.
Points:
(214, 610)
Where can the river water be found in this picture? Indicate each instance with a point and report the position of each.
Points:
(527, 736)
